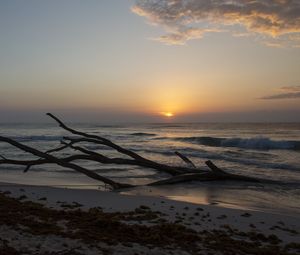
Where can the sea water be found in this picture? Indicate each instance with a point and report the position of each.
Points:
(264, 150)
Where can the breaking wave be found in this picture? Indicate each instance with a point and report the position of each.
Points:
(257, 143)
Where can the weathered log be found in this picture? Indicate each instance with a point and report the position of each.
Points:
(216, 174)
(62, 163)
(179, 174)
(228, 176)
(173, 170)
(185, 178)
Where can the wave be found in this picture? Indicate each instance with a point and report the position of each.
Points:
(257, 143)
(33, 138)
(244, 159)
(142, 134)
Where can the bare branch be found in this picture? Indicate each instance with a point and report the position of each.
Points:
(173, 170)
(27, 168)
(185, 159)
(4, 158)
(62, 163)
(179, 174)
(60, 148)
(104, 141)
(42, 161)
(214, 168)
(185, 178)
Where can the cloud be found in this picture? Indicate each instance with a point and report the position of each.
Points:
(184, 20)
(180, 37)
(289, 92)
(291, 88)
(284, 96)
(273, 44)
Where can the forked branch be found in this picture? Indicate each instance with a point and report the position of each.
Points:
(63, 163)
(179, 174)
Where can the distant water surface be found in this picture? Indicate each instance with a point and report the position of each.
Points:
(270, 151)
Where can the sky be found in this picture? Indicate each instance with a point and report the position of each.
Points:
(150, 61)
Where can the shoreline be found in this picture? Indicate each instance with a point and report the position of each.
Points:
(194, 217)
(198, 195)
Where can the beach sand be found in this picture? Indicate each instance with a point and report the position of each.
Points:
(78, 221)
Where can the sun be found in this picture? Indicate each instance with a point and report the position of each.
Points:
(168, 114)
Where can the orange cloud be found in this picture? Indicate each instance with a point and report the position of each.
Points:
(287, 92)
(184, 20)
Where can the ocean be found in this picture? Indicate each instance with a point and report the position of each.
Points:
(264, 150)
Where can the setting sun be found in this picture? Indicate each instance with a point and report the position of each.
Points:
(167, 114)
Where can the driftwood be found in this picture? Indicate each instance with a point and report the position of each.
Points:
(178, 174)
